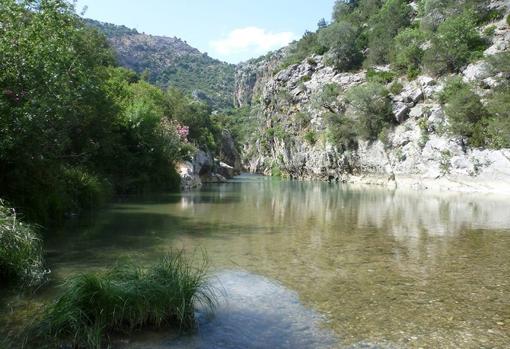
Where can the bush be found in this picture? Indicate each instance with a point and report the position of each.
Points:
(372, 109)
(304, 47)
(396, 88)
(311, 137)
(20, 251)
(407, 52)
(465, 111)
(455, 44)
(121, 299)
(342, 131)
(452, 87)
(384, 26)
(498, 126)
(381, 77)
(341, 38)
(508, 19)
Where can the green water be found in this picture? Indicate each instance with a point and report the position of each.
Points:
(402, 269)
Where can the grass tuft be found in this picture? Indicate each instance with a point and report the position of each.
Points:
(127, 297)
(21, 259)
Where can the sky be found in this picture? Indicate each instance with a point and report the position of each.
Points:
(229, 30)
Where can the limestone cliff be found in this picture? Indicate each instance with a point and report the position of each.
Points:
(417, 152)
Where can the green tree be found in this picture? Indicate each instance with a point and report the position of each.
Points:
(372, 109)
(407, 52)
(456, 42)
(341, 38)
(384, 26)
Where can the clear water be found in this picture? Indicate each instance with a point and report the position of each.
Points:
(310, 265)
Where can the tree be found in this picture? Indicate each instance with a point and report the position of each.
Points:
(372, 109)
(407, 52)
(322, 24)
(341, 38)
(384, 26)
(456, 42)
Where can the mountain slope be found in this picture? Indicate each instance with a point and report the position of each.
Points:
(172, 62)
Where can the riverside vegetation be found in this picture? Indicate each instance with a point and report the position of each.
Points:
(77, 129)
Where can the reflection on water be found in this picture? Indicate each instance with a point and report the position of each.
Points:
(252, 312)
(412, 269)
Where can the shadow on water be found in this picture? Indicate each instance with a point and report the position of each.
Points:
(252, 312)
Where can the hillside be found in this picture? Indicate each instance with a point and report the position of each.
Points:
(172, 62)
(427, 108)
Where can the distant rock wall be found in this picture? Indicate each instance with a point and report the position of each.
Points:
(417, 153)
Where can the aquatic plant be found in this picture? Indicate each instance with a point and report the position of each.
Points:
(20, 251)
(124, 298)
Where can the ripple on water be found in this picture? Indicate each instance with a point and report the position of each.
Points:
(253, 312)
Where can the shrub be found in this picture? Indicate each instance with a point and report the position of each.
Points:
(489, 31)
(341, 38)
(372, 109)
(500, 63)
(382, 77)
(302, 119)
(465, 110)
(407, 52)
(384, 26)
(327, 98)
(508, 19)
(456, 42)
(452, 87)
(396, 88)
(498, 126)
(304, 47)
(311, 137)
(20, 251)
(122, 299)
(341, 131)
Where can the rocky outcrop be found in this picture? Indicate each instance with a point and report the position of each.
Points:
(252, 75)
(417, 153)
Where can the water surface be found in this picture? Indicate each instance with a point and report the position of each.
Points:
(353, 266)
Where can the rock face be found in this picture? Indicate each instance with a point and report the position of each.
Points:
(204, 168)
(418, 152)
(251, 76)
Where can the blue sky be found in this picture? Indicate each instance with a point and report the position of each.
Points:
(230, 30)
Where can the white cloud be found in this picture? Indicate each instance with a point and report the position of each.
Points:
(252, 40)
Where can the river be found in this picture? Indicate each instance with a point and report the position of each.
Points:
(317, 265)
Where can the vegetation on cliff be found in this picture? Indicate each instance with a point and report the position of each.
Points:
(171, 62)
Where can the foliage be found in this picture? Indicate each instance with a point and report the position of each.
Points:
(498, 126)
(372, 109)
(341, 38)
(328, 97)
(407, 52)
(20, 251)
(435, 12)
(311, 137)
(122, 299)
(396, 88)
(455, 44)
(378, 76)
(73, 126)
(170, 62)
(500, 63)
(341, 131)
(306, 46)
(384, 26)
